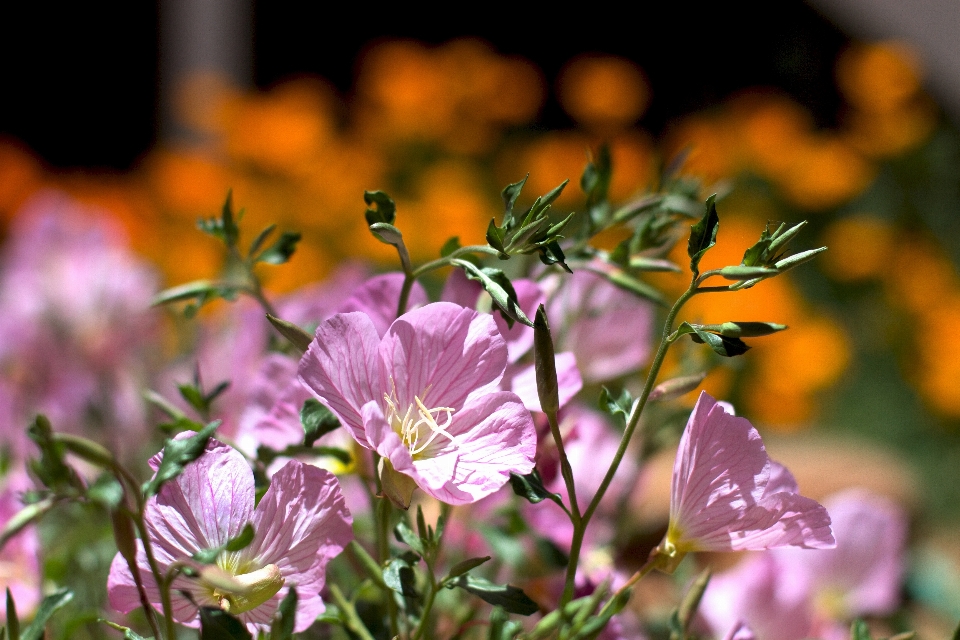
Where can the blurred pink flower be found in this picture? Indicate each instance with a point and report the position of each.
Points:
(19, 563)
(795, 594)
(300, 524)
(76, 319)
(727, 495)
(424, 396)
(519, 377)
(740, 631)
(607, 328)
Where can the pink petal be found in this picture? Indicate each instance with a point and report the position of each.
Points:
(719, 499)
(379, 296)
(460, 290)
(272, 417)
(301, 523)
(124, 597)
(442, 353)
(523, 382)
(206, 505)
(496, 437)
(340, 367)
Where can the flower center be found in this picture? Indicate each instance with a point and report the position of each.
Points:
(418, 426)
(249, 590)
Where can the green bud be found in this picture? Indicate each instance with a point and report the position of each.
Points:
(386, 233)
(798, 259)
(545, 363)
(398, 487)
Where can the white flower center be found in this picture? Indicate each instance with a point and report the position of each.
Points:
(418, 426)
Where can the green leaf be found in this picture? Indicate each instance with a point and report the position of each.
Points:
(297, 336)
(238, 543)
(194, 396)
(176, 455)
(405, 534)
(128, 633)
(106, 491)
(530, 487)
(317, 421)
(780, 238)
(13, 622)
(464, 566)
(511, 598)
(217, 624)
(383, 208)
(618, 407)
(703, 235)
(691, 600)
(596, 624)
(450, 246)
(596, 176)
(51, 468)
(286, 616)
(721, 345)
(44, 612)
(637, 287)
(551, 253)
(510, 194)
(797, 259)
(281, 250)
(386, 233)
(260, 239)
(496, 283)
(860, 631)
(496, 237)
(399, 576)
(198, 289)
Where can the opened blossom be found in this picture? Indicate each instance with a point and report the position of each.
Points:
(300, 523)
(425, 397)
(727, 495)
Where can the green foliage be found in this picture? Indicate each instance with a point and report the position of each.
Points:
(286, 617)
(530, 487)
(49, 606)
(51, 469)
(618, 407)
(381, 208)
(216, 624)
(498, 285)
(703, 235)
(465, 566)
(317, 421)
(511, 598)
(294, 334)
(684, 614)
(532, 231)
(176, 455)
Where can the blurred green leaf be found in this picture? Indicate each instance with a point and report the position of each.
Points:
(216, 624)
(381, 207)
(464, 566)
(281, 250)
(297, 336)
(617, 406)
(49, 606)
(317, 421)
(285, 618)
(703, 235)
(511, 598)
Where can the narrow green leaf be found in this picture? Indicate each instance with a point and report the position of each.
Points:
(13, 622)
(676, 387)
(45, 611)
(317, 421)
(691, 600)
(297, 336)
(551, 253)
(780, 238)
(27, 515)
(281, 250)
(464, 566)
(703, 235)
(450, 246)
(188, 291)
(510, 194)
(641, 263)
(496, 283)
(798, 259)
(260, 239)
(721, 345)
(176, 455)
(496, 237)
(381, 207)
(511, 598)
(530, 487)
(637, 287)
(286, 616)
(405, 534)
(216, 624)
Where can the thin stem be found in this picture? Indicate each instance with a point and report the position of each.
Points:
(567, 472)
(431, 559)
(383, 555)
(353, 621)
(405, 293)
(445, 261)
(632, 422)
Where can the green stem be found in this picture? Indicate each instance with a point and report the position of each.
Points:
(431, 559)
(383, 555)
(445, 261)
(405, 293)
(353, 621)
(632, 422)
(567, 472)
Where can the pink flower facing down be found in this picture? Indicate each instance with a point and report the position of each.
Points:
(727, 495)
(300, 524)
(425, 398)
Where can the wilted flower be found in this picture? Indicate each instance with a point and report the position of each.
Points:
(300, 523)
(727, 495)
(425, 398)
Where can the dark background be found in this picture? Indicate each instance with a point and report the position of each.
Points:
(80, 84)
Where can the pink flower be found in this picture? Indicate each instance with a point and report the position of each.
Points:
(300, 524)
(727, 495)
(740, 631)
(793, 594)
(424, 396)
(19, 564)
(519, 376)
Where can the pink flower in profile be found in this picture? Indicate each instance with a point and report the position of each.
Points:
(300, 523)
(425, 397)
(727, 495)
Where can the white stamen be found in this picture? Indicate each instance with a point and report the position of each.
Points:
(409, 426)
